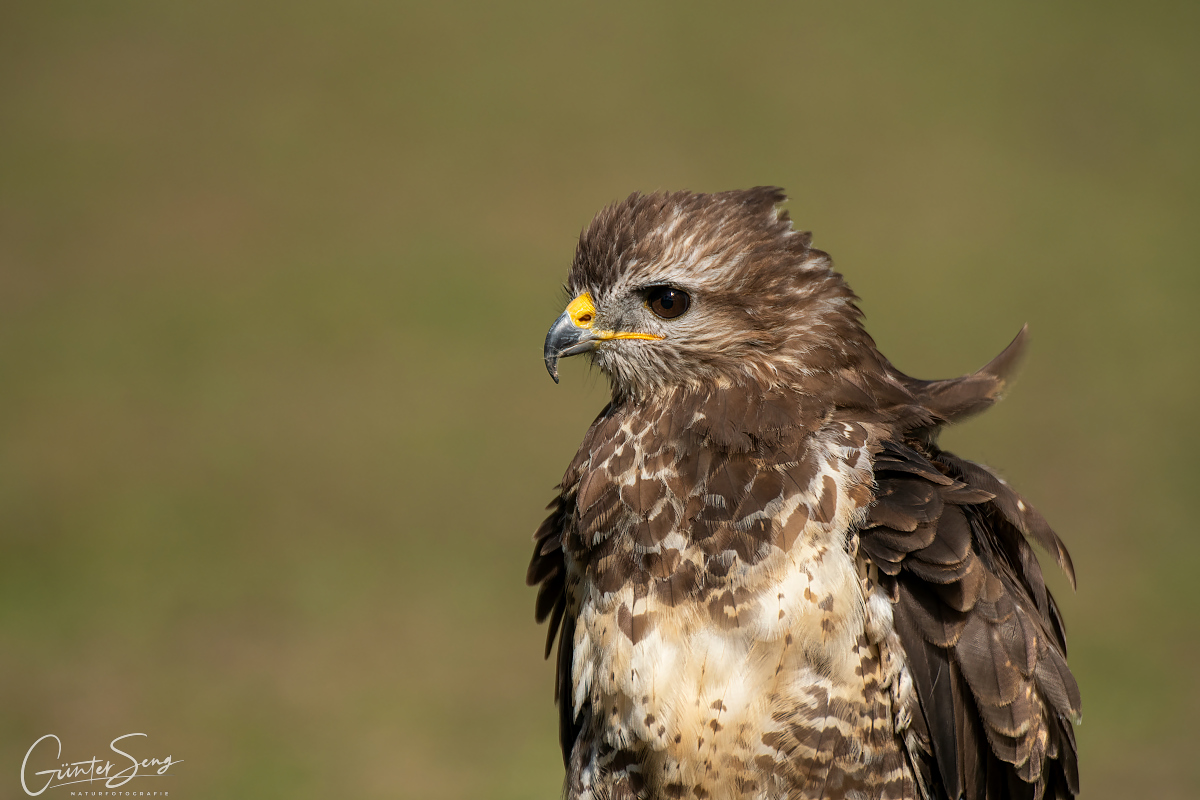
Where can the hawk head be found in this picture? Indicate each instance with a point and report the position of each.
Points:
(695, 291)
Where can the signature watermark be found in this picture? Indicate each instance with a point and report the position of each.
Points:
(113, 776)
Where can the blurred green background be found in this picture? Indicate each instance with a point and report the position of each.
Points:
(274, 279)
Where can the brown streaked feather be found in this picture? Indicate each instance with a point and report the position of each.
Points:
(547, 570)
(1015, 509)
(766, 488)
(897, 458)
(929, 663)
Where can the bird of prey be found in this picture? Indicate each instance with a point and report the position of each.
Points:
(766, 578)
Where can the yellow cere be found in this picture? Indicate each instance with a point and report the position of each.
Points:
(582, 312)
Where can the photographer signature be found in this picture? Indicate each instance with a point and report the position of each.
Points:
(94, 769)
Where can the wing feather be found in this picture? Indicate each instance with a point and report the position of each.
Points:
(982, 636)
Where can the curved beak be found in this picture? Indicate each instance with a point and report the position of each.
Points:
(566, 339)
(573, 333)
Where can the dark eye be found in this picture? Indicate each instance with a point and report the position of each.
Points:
(667, 302)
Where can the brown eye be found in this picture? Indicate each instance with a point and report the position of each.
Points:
(667, 302)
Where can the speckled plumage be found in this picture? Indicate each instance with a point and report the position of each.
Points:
(768, 580)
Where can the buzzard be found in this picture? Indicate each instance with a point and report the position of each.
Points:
(766, 578)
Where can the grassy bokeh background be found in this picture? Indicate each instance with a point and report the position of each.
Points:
(274, 278)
